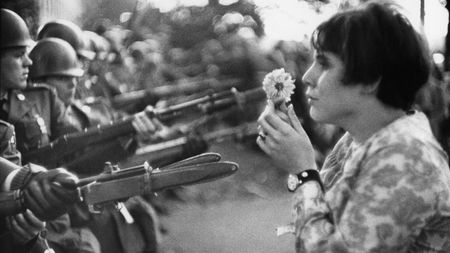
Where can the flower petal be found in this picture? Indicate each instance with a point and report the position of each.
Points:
(272, 87)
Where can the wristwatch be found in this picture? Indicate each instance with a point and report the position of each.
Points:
(295, 180)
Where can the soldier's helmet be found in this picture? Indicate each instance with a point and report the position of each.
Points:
(14, 30)
(98, 44)
(53, 57)
(69, 32)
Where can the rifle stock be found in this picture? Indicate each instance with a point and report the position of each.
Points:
(51, 154)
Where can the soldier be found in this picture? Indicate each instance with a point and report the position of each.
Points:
(56, 65)
(14, 176)
(37, 115)
(97, 84)
(20, 232)
(36, 112)
(42, 200)
(71, 33)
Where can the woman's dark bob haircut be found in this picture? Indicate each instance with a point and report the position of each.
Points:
(376, 42)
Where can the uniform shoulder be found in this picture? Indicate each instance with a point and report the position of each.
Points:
(38, 86)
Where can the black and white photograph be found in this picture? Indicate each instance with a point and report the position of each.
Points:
(224, 126)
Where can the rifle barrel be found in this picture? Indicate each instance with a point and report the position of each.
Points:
(52, 153)
(170, 90)
(237, 98)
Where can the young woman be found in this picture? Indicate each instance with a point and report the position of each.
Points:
(385, 187)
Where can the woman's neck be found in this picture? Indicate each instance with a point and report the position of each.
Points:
(371, 121)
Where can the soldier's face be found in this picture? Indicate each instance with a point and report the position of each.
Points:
(65, 87)
(14, 67)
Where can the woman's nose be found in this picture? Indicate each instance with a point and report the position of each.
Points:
(307, 78)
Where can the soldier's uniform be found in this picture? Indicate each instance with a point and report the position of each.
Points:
(38, 116)
(8, 148)
(97, 111)
(60, 235)
(91, 160)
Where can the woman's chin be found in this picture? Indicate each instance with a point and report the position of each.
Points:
(314, 114)
(317, 116)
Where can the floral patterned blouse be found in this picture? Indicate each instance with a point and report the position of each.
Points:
(388, 194)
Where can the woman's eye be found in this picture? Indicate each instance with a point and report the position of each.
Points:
(323, 63)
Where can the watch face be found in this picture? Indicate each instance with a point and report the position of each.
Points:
(292, 182)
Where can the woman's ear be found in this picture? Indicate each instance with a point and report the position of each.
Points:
(370, 88)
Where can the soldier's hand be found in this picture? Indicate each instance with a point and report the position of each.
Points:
(144, 125)
(25, 226)
(49, 193)
(150, 128)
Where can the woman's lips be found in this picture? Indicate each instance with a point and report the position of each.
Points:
(311, 100)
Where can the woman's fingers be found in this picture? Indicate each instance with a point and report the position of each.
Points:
(294, 120)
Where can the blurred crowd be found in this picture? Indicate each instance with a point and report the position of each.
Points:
(239, 53)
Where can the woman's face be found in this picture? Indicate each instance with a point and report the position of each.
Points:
(14, 68)
(330, 101)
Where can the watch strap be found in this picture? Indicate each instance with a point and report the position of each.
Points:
(309, 175)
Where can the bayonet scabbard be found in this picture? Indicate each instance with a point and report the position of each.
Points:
(116, 190)
(115, 184)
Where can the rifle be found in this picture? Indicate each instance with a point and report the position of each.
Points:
(168, 150)
(115, 184)
(50, 154)
(129, 99)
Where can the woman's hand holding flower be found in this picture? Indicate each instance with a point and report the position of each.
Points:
(285, 140)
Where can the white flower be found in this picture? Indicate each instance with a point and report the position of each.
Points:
(278, 85)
